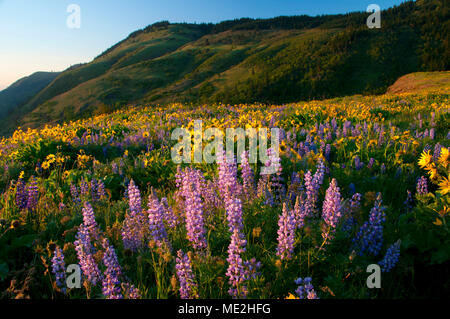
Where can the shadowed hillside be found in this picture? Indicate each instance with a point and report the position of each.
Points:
(22, 90)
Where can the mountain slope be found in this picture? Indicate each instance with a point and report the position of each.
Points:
(22, 90)
(277, 60)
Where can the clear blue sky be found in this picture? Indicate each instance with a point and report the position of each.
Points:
(34, 35)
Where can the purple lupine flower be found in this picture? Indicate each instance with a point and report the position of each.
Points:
(101, 192)
(227, 183)
(432, 133)
(33, 194)
(370, 235)
(156, 223)
(94, 190)
(134, 225)
(305, 288)
(89, 220)
(383, 168)
(354, 205)
(427, 148)
(190, 182)
(409, 201)
(271, 189)
(252, 268)
(84, 187)
(422, 186)
(358, 164)
(134, 198)
(188, 286)
(85, 253)
(110, 282)
(248, 177)
(300, 212)
(115, 168)
(170, 218)
(295, 188)
(391, 258)
(236, 270)
(234, 215)
(328, 150)
(59, 268)
(21, 194)
(131, 291)
(312, 186)
(210, 196)
(332, 210)
(371, 162)
(276, 183)
(286, 233)
(74, 192)
(437, 152)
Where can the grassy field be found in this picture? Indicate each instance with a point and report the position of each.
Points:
(363, 180)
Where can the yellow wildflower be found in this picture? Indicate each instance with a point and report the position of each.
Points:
(444, 157)
(444, 185)
(425, 159)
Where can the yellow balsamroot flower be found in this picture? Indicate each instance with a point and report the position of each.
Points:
(444, 185)
(444, 157)
(46, 165)
(60, 160)
(22, 174)
(291, 296)
(51, 158)
(425, 159)
(432, 171)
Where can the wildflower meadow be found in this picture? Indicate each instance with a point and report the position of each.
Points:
(97, 208)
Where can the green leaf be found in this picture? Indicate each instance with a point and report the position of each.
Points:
(24, 241)
(440, 256)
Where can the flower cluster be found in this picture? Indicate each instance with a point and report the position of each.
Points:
(236, 271)
(248, 177)
(188, 286)
(110, 282)
(189, 183)
(156, 223)
(305, 288)
(422, 186)
(59, 268)
(332, 209)
(33, 194)
(370, 235)
(286, 233)
(391, 258)
(134, 225)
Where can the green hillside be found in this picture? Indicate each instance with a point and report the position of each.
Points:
(277, 60)
(22, 90)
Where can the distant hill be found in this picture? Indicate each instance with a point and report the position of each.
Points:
(422, 82)
(22, 90)
(276, 60)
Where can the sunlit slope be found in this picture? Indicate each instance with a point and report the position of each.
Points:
(422, 82)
